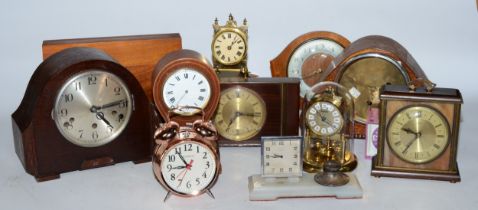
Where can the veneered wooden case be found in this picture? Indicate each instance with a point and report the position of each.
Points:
(281, 97)
(373, 45)
(43, 151)
(447, 102)
(139, 53)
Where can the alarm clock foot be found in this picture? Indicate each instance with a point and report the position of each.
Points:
(167, 196)
(47, 178)
(210, 194)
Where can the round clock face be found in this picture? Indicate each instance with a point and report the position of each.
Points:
(364, 87)
(188, 167)
(310, 59)
(186, 87)
(418, 134)
(229, 48)
(240, 115)
(92, 108)
(324, 118)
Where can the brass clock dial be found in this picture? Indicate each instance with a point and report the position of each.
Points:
(324, 118)
(229, 48)
(418, 134)
(241, 114)
(92, 108)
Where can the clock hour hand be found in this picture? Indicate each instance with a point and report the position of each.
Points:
(178, 167)
(248, 114)
(277, 156)
(101, 116)
(232, 120)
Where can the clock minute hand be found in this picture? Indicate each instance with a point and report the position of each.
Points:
(182, 159)
(101, 116)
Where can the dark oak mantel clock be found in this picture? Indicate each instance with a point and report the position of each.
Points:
(81, 110)
(365, 66)
(418, 133)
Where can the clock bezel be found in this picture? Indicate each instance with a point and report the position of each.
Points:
(177, 61)
(440, 115)
(336, 109)
(283, 138)
(160, 152)
(73, 78)
(231, 30)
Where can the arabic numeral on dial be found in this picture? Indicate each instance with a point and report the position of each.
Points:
(198, 181)
(117, 91)
(188, 184)
(205, 155)
(64, 112)
(81, 133)
(68, 97)
(188, 147)
(204, 175)
(173, 177)
(169, 167)
(92, 80)
(208, 164)
(171, 158)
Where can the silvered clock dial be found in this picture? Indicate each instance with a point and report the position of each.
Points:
(92, 108)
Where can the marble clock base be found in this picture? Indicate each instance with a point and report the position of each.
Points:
(267, 189)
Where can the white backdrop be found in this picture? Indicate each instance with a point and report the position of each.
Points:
(441, 35)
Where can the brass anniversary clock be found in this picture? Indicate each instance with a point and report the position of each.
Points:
(327, 127)
(229, 48)
(83, 109)
(308, 56)
(418, 133)
(365, 66)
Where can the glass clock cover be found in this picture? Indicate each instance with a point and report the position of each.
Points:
(328, 127)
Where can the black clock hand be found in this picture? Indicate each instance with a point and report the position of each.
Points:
(178, 167)
(248, 114)
(108, 105)
(409, 131)
(182, 158)
(417, 136)
(101, 116)
(277, 156)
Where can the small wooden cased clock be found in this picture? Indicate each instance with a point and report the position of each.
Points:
(418, 133)
(385, 59)
(81, 110)
(255, 107)
(229, 48)
(308, 56)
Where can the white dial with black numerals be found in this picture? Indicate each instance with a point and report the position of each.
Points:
(188, 167)
(186, 87)
(324, 118)
(92, 108)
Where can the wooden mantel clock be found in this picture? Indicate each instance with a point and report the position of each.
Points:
(365, 66)
(81, 110)
(419, 131)
(185, 78)
(308, 56)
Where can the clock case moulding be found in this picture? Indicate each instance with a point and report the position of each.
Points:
(43, 151)
(371, 46)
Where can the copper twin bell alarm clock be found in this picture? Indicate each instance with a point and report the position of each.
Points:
(186, 158)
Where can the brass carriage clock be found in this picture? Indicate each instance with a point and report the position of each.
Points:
(418, 132)
(328, 127)
(229, 48)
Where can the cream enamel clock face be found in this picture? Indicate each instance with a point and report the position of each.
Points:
(186, 87)
(281, 157)
(324, 118)
(310, 59)
(229, 48)
(92, 108)
(418, 134)
(188, 167)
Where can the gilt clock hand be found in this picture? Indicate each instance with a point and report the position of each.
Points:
(181, 98)
(232, 120)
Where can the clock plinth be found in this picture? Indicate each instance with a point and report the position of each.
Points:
(261, 190)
